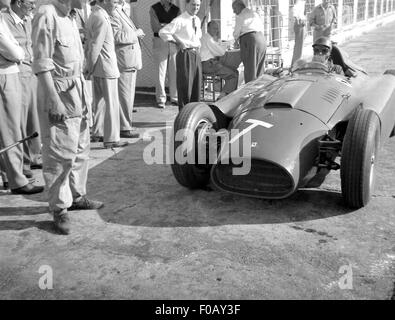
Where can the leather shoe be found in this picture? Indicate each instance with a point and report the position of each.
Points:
(119, 144)
(28, 189)
(129, 134)
(83, 203)
(62, 221)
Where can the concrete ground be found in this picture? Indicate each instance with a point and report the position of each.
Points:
(156, 240)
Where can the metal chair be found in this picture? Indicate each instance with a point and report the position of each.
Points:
(209, 84)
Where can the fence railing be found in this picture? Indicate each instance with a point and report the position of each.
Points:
(279, 23)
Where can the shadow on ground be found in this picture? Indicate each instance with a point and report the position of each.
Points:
(149, 195)
(17, 225)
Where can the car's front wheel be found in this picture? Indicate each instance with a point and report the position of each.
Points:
(192, 127)
(359, 158)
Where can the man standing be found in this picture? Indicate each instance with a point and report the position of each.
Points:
(185, 32)
(18, 19)
(11, 161)
(58, 60)
(81, 17)
(249, 33)
(322, 19)
(161, 14)
(128, 51)
(101, 63)
(217, 61)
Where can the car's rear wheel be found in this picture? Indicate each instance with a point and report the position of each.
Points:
(197, 120)
(359, 157)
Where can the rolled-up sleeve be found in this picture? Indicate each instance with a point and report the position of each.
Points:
(10, 49)
(166, 33)
(43, 41)
(237, 30)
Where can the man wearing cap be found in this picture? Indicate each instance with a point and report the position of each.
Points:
(322, 51)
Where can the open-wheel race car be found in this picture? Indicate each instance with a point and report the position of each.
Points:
(300, 126)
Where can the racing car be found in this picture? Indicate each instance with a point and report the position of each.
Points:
(301, 125)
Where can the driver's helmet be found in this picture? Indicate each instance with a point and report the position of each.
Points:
(323, 42)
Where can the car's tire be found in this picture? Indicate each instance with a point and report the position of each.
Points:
(359, 155)
(196, 117)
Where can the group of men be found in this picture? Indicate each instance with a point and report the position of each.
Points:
(48, 53)
(190, 54)
(43, 70)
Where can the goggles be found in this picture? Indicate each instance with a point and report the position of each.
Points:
(318, 50)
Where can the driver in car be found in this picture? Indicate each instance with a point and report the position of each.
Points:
(322, 53)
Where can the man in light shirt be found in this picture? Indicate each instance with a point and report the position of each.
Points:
(11, 54)
(18, 19)
(64, 113)
(217, 61)
(185, 32)
(322, 19)
(249, 33)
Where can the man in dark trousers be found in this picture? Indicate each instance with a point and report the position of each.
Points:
(185, 32)
(249, 33)
(161, 14)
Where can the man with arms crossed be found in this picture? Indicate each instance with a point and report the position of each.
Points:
(18, 19)
(11, 161)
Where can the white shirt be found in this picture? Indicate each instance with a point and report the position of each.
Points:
(187, 30)
(10, 51)
(247, 21)
(210, 48)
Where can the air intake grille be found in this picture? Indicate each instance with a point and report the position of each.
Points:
(265, 180)
(331, 95)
